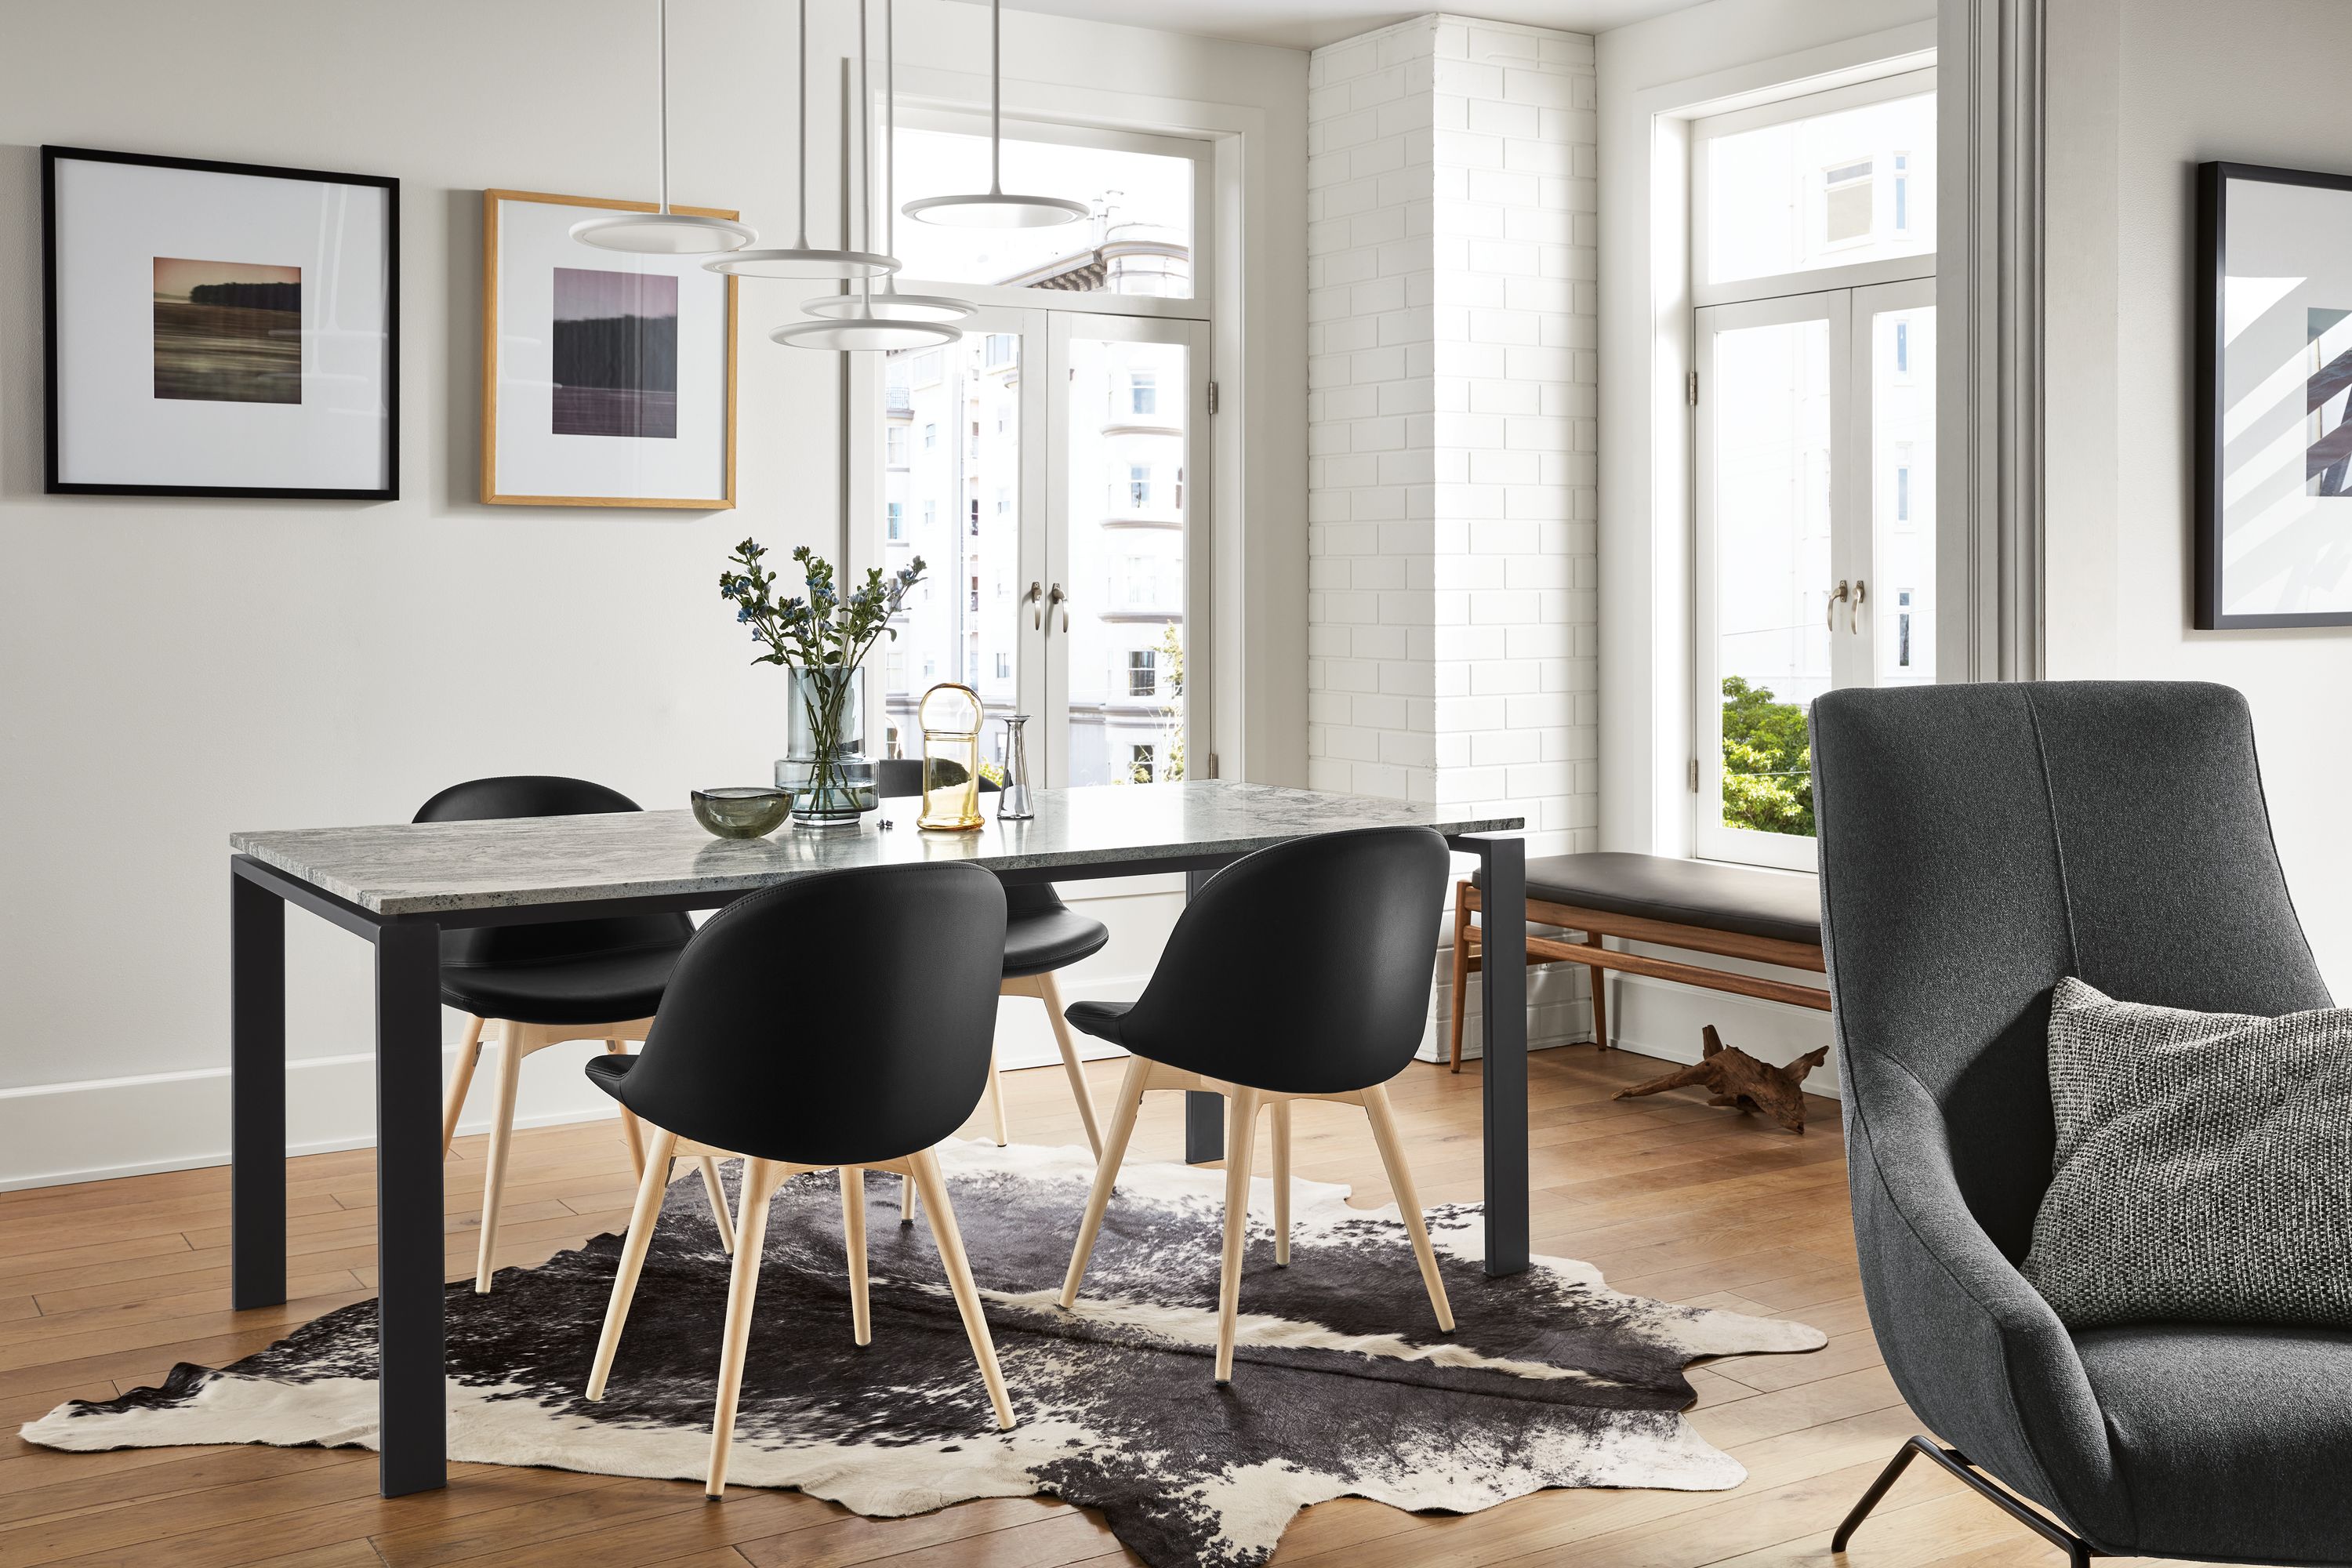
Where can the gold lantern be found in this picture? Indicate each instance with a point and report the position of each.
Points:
(950, 716)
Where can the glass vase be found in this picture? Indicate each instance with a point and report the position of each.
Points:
(951, 717)
(824, 764)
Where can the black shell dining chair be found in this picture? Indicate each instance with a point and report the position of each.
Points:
(545, 983)
(843, 1019)
(1354, 918)
(1042, 934)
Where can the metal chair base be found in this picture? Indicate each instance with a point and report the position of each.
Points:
(2078, 1552)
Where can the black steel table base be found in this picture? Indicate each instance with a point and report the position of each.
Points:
(409, 1290)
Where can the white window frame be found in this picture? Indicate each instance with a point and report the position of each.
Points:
(1887, 270)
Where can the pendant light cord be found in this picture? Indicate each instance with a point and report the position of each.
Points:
(995, 98)
(800, 94)
(890, 137)
(661, 54)
(865, 158)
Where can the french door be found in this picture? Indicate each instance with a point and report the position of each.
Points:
(1815, 540)
(1049, 471)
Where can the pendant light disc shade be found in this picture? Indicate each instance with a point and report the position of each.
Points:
(817, 266)
(996, 210)
(889, 306)
(865, 333)
(663, 234)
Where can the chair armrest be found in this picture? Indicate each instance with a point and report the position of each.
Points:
(1974, 1349)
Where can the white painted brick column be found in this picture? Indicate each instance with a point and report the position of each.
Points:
(1452, 622)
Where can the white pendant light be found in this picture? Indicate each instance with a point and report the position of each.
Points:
(863, 328)
(800, 260)
(996, 210)
(663, 233)
(889, 305)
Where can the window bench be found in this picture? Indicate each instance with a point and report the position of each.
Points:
(1702, 906)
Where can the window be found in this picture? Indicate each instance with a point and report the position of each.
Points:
(930, 666)
(894, 441)
(930, 438)
(1003, 500)
(1140, 241)
(975, 515)
(999, 350)
(1143, 392)
(1845, 205)
(931, 515)
(924, 369)
(1138, 485)
(1142, 672)
(1903, 628)
(1903, 482)
(1903, 348)
(973, 448)
(1828, 179)
(897, 520)
(1003, 665)
(1141, 761)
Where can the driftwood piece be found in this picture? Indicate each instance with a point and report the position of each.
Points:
(1738, 1078)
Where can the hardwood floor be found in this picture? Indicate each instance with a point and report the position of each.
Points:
(104, 1286)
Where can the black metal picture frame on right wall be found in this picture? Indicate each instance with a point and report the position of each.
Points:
(2273, 398)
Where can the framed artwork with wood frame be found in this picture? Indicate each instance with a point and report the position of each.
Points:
(2275, 399)
(218, 329)
(608, 377)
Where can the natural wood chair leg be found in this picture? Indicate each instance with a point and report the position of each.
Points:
(1122, 1128)
(1051, 995)
(1241, 1144)
(510, 1047)
(853, 1237)
(1600, 994)
(718, 1196)
(461, 1078)
(995, 1098)
(760, 1181)
(1282, 1183)
(630, 1132)
(1461, 966)
(1385, 1133)
(926, 1168)
(907, 1202)
(642, 1220)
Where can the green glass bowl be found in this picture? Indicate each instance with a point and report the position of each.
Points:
(753, 810)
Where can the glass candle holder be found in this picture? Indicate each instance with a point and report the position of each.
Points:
(950, 716)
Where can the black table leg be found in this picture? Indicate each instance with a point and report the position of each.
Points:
(1205, 1114)
(1502, 918)
(409, 1350)
(257, 1116)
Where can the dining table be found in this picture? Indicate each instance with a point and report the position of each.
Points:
(400, 886)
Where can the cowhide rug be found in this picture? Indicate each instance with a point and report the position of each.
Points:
(1342, 1383)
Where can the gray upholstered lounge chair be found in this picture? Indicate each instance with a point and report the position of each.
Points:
(1978, 843)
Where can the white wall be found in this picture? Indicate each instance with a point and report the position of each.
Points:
(2188, 82)
(1651, 76)
(171, 670)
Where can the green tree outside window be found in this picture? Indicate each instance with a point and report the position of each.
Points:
(1768, 761)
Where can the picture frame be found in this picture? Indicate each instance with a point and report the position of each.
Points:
(608, 377)
(2274, 481)
(218, 329)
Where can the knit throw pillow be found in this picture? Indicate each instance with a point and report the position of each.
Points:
(2204, 1166)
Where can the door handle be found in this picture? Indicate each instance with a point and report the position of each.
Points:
(1036, 612)
(1830, 617)
(1853, 610)
(1059, 597)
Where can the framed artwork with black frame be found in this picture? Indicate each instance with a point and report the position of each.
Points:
(218, 329)
(608, 377)
(2273, 380)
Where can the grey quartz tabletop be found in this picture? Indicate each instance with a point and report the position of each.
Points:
(427, 868)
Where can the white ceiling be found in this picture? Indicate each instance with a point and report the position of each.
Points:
(1310, 24)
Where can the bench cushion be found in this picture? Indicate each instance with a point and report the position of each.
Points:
(1781, 905)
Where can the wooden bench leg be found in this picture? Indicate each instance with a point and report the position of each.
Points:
(1600, 995)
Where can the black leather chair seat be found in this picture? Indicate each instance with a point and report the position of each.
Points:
(2260, 1416)
(1687, 892)
(607, 987)
(1043, 933)
(1100, 1019)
